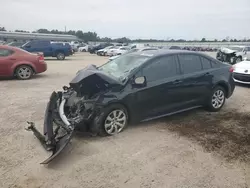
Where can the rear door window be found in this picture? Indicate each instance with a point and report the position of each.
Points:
(5, 52)
(162, 68)
(190, 63)
(206, 63)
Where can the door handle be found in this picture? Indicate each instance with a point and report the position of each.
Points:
(12, 59)
(206, 74)
(177, 81)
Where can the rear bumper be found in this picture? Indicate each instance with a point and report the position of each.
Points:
(41, 67)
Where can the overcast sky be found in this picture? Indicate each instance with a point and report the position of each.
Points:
(161, 19)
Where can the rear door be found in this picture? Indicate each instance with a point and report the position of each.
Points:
(6, 61)
(197, 79)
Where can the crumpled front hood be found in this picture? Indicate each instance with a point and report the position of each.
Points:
(227, 50)
(90, 80)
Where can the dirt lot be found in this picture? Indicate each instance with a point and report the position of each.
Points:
(194, 149)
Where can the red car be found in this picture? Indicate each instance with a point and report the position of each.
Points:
(20, 63)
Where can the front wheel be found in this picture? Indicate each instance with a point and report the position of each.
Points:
(60, 56)
(112, 120)
(238, 59)
(217, 99)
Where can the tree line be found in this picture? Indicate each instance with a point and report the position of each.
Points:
(93, 36)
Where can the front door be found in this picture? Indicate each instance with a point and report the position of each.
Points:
(162, 92)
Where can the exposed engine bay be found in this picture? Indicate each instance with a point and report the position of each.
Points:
(74, 107)
(227, 55)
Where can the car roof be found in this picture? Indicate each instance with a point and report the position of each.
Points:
(239, 46)
(8, 47)
(160, 52)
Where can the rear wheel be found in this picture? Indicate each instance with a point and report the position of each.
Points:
(60, 56)
(24, 72)
(217, 99)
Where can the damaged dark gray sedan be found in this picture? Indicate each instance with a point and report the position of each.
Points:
(134, 87)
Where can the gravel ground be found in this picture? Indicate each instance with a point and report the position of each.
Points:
(193, 149)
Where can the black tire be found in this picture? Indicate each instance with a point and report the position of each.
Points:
(238, 59)
(60, 55)
(211, 103)
(83, 50)
(20, 72)
(98, 125)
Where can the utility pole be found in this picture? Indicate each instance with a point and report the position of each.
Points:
(65, 29)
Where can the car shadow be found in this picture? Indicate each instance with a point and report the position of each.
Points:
(36, 76)
(225, 133)
(243, 85)
(66, 59)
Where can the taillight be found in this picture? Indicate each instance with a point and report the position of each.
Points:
(231, 69)
(41, 59)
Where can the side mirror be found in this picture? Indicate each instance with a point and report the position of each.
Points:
(140, 81)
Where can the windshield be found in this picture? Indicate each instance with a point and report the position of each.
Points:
(123, 65)
(235, 48)
(108, 47)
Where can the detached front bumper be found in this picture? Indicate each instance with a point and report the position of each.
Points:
(56, 134)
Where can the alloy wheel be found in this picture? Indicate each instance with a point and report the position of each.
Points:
(24, 72)
(115, 122)
(218, 99)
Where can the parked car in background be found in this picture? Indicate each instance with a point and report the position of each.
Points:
(109, 51)
(117, 50)
(233, 54)
(16, 44)
(48, 48)
(64, 44)
(75, 45)
(103, 51)
(84, 48)
(241, 72)
(95, 48)
(172, 47)
(135, 50)
(20, 63)
(121, 50)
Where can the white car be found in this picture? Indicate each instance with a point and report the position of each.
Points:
(104, 50)
(84, 48)
(118, 51)
(135, 50)
(241, 73)
(242, 52)
(111, 50)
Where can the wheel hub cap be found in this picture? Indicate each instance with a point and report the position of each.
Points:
(115, 122)
(24, 72)
(218, 99)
